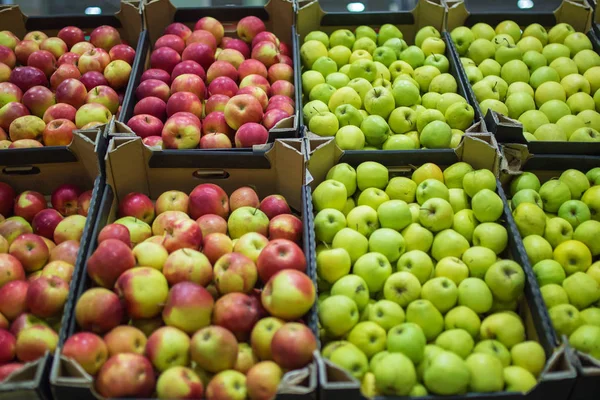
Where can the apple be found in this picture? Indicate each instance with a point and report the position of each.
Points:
(31, 251)
(46, 296)
(214, 349)
(59, 111)
(14, 299)
(155, 73)
(98, 310)
(10, 112)
(179, 29)
(27, 77)
(186, 297)
(215, 103)
(125, 375)
(11, 268)
(88, 350)
(241, 109)
(236, 312)
(27, 204)
(23, 50)
(201, 53)
(285, 288)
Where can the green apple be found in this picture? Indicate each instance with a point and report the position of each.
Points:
(325, 66)
(332, 346)
(329, 194)
(344, 95)
(310, 79)
(454, 174)
(337, 80)
(441, 292)
(506, 280)
(353, 287)
(363, 219)
(328, 223)
(338, 315)
(383, 73)
(534, 60)
(505, 327)
(352, 241)
(490, 67)
(486, 373)
(526, 180)
(439, 61)
(582, 290)
(417, 238)
(507, 53)
(350, 137)
(414, 56)
(515, 71)
(409, 339)
(372, 174)
(424, 33)
(548, 272)
(433, 45)
(310, 51)
(333, 264)
(575, 83)
(533, 119)
(312, 108)
(458, 199)
(487, 205)
(322, 92)
(587, 233)
(402, 120)
(491, 235)
(365, 31)
(565, 318)
(428, 116)
(478, 180)
(436, 214)
(361, 86)
(574, 256)
(483, 30)
(586, 59)
(410, 79)
(318, 35)
(526, 196)
(460, 115)
(553, 295)
(395, 375)
(591, 316)
(343, 37)
(363, 68)
(553, 194)
(479, 259)
(423, 313)
(340, 54)
(378, 101)
(590, 118)
(537, 248)
(418, 263)
(574, 212)
(398, 68)
(475, 294)
(503, 40)
(570, 123)
(452, 268)
(519, 103)
(385, 55)
(436, 135)
(368, 337)
(387, 32)
(352, 359)
(462, 317)
(558, 230)
(494, 105)
(510, 28)
(347, 114)
(553, 51)
(345, 69)
(458, 341)
(431, 188)
(474, 74)
(480, 50)
(486, 90)
(564, 66)
(386, 314)
(394, 214)
(405, 94)
(518, 379)
(586, 340)
(577, 42)
(386, 242)
(549, 90)
(376, 130)
(462, 38)
(529, 355)
(414, 210)
(585, 135)
(537, 31)
(365, 44)
(542, 75)
(580, 101)
(424, 75)
(530, 43)
(401, 188)
(402, 288)
(494, 348)
(554, 110)
(448, 243)
(442, 102)
(443, 83)
(447, 374)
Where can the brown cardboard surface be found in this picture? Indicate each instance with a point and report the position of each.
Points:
(578, 13)
(426, 12)
(129, 16)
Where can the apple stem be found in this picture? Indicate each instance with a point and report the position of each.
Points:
(326, 245)
(318, 112)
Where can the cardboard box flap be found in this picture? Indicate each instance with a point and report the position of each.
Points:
(577, 13)
(130, 16)
(514, 157)
(13, 20)
(68, 372)
(30, 372)
(332, 376)
(301, 381)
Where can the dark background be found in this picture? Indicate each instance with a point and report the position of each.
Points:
(57, 7)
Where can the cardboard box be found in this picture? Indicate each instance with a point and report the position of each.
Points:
(77, 164)
(278, 16)
(558, 376)
(576, 13)
(517, 160)
(132, 167)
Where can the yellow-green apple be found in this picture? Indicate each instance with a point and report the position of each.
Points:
(106, 96)
(247, 219)
(168, 347)
(565, 318)
(262, 380)
(530, 219)
(179, 382)
(506, 280)
(93, 112)
(138, 229)
(228, 384)
(402, 288)
(505, 327)
(585, 339)
(553, 295)
(81, 47)
(234, 272)
(436, 214)
(14, 299)
(188, 307)
(458, 341)
(214, 349)
(115, 231)
(70, 228)
(262, 335)
(65, 251)
(9, 112)
(10, 269)
(126, 375)
(582, 290)
(111, 258)
(99, 310)
(88, 350)
(13, 227)
(148, 254)
(462, 317)
(31, 251)
(34, 342)
(117, 73)
(374, 268)
(125, 339)
(142, 304)
(354, 287)
(46, 296)
(173, 200)
(208, 199)
(187, 265)
(448, 243)
(26, 127)
(475, 294)
(277, 255)
(289, 294)
(537, 248)
(574, 256)
(408, 339)
(237, 313)
(549, 271)
(586, 232)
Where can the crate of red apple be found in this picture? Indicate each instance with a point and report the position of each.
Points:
(53, 81)
(212, 84)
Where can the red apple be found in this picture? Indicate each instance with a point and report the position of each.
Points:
(243, 197)
(286, 226)
(137, 302)
(88, 350)
(84, 200)
(153, 87)
(126, 375)
(238, 45)
(122, 52)
(93, 60)
(258, 93)
(62, 73)
(236, 312)
(216, 103)
(81, 47)
(274, 205)
(201, 53)
(280, 98)
(104, 95)
(265, 36)
(54, 45)
(187, 265)
(24, 49)
(234, 272)
(125, 339)
(180, 132)
(288, 295)
(8, 346)
(215, 123)
(47, 296)
(189, 307)
(7, 56)
(4, 324)
(262, 380)
(58, 132)
(188, 67)
(71, 35)
(10, 112)
(285, 51)
(189, 83)
(9, 92)
(232, 56)
(105, 37)
(251, 134)
(28, 204)
(278, 255)
(145, 125)
(215, 141)
(137, 205)
(68, 58)
(249, 27)
(164, 58)
(99, 310)
(195, 120)
(34, 342)
(208, 198)
(91, 79)
(115, 231)
(13, 297)
(154, 142)
(212, 25)
(266, 52)
(173, 41)
(221, 68)
(64, 199)
(272, 118)
(165, 219)
(216, 245)
(202, 36)
(214, 349)
(109, 261)
(168, 348)
(284, 106)
(10, 269)
(44, 223)
(42, 60)
(212, 223)
(7, 199)
(13, 227)
(183, 233)
(25, 321)
(280, 72)
(241, 109)
(293, 346)
(256, 80)
(71, 91)
(66, 251)
(184, 101)
(252, 67)
(27, 77)
(158, 74)
(179, 29)
(283, 88)
(223, 85)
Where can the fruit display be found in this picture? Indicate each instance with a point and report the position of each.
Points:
(50, 86)
(197, 295)
(39, 243)
(210, 91)
(559, 222)
(418, 294)
(548, 80)
(371, 90)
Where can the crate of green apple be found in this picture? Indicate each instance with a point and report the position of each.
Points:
(208, 328)
(371, 90)
(209, 86)
(422, 288)
(556, 208)
(547, 79)
(53, 80)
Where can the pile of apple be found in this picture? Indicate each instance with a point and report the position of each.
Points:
(211, 91)
(415, 297)
(559, 222)
(50, 86)
(176, 298)
(549, 81)
(372, 91)
(38, 250)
